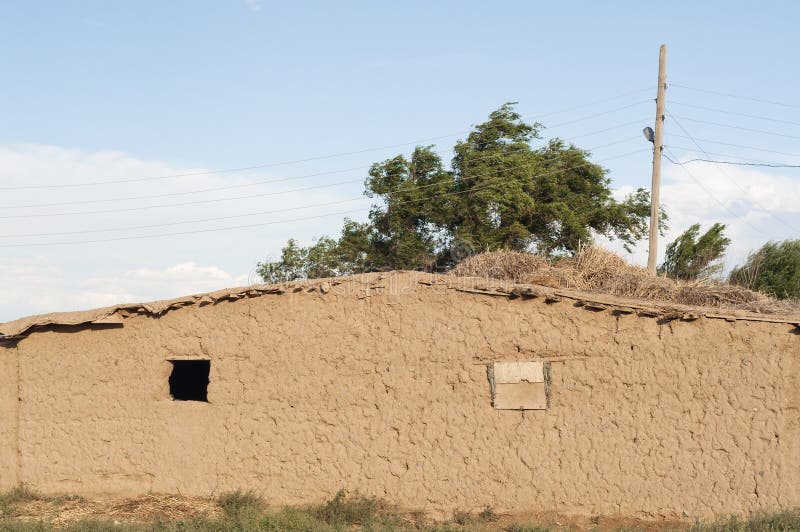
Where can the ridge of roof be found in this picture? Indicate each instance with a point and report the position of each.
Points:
(15, 330)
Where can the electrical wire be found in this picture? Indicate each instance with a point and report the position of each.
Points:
(731, 126)
(328, 156)
(728, 155)
(734, 113)
(201, 220)
(734, 163)
(736, 96)
(712, 196)
(603, 113)
(218, 189)
(180, 233)
(181, 204)
(742, 146)
(136, 237)
(756, 204)
(191, 192)
(214, 200)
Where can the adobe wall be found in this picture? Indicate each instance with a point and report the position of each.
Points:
(8, 418)
(385, 391)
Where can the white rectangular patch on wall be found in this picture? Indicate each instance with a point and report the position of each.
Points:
(518, 385)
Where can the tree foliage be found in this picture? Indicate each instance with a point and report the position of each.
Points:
(773, 269)
(692, 256)
(326, 257)
(498, 193)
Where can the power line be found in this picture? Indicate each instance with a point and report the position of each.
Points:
(328, 156)
(214, 200)
(605, 130)
(472, 189)
(735, 113)
(196, 231)
(731, 126)
(181, 204)
(597, 102)
(220, 171)
(695, 150)
(734, 163)
(603, 113)
(742, 146)
(712, 196)
(768, 211)
(736, 96)
(183, 222)
(221, 188)
(190, 192)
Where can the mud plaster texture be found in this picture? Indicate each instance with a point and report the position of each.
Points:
(378, 383)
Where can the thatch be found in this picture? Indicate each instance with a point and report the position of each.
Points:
(595, 269)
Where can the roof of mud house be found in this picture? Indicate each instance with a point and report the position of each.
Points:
(386, 283)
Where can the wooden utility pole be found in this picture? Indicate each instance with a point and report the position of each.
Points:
(658, 146)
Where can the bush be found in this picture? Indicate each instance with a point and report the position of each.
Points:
(348, 510)
(774, 269)
(15, 496)
(692, 256)
(238, 503)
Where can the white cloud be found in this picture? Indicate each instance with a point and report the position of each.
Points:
(148, 283)
(36, 278)
(254, 5)
(37, 286)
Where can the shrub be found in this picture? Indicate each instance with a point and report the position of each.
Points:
(238, 503)
(774, 269)
(348, 510)
(692, 256)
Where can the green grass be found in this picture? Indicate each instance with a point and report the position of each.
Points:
(771, 522)
(528, 528)
(9, 499)
(247, 512)
(239, 504)
(17, 495)
(343, 510)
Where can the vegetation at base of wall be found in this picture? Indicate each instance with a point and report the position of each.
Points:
(245, 511)
(765, 522)
(11, 498)
(241, 504)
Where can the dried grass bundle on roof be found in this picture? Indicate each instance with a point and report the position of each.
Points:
(596, 269)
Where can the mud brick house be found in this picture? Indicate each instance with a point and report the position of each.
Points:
(430, 391)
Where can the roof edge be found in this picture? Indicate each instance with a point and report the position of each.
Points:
(13, 331)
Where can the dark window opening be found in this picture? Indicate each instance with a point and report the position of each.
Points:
(189, 380)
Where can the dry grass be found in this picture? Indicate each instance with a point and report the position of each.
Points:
(28, 511)
(65, 509)
(595, 269)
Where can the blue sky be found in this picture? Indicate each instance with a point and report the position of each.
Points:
(97, 91)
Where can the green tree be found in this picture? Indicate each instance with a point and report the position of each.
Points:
(327, 257)
(409, 222)
(691, 256)
(499, 193)
(290, 267)
(513, 196)
(773, 269)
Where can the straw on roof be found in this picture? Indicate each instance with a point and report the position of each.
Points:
(596, 269)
